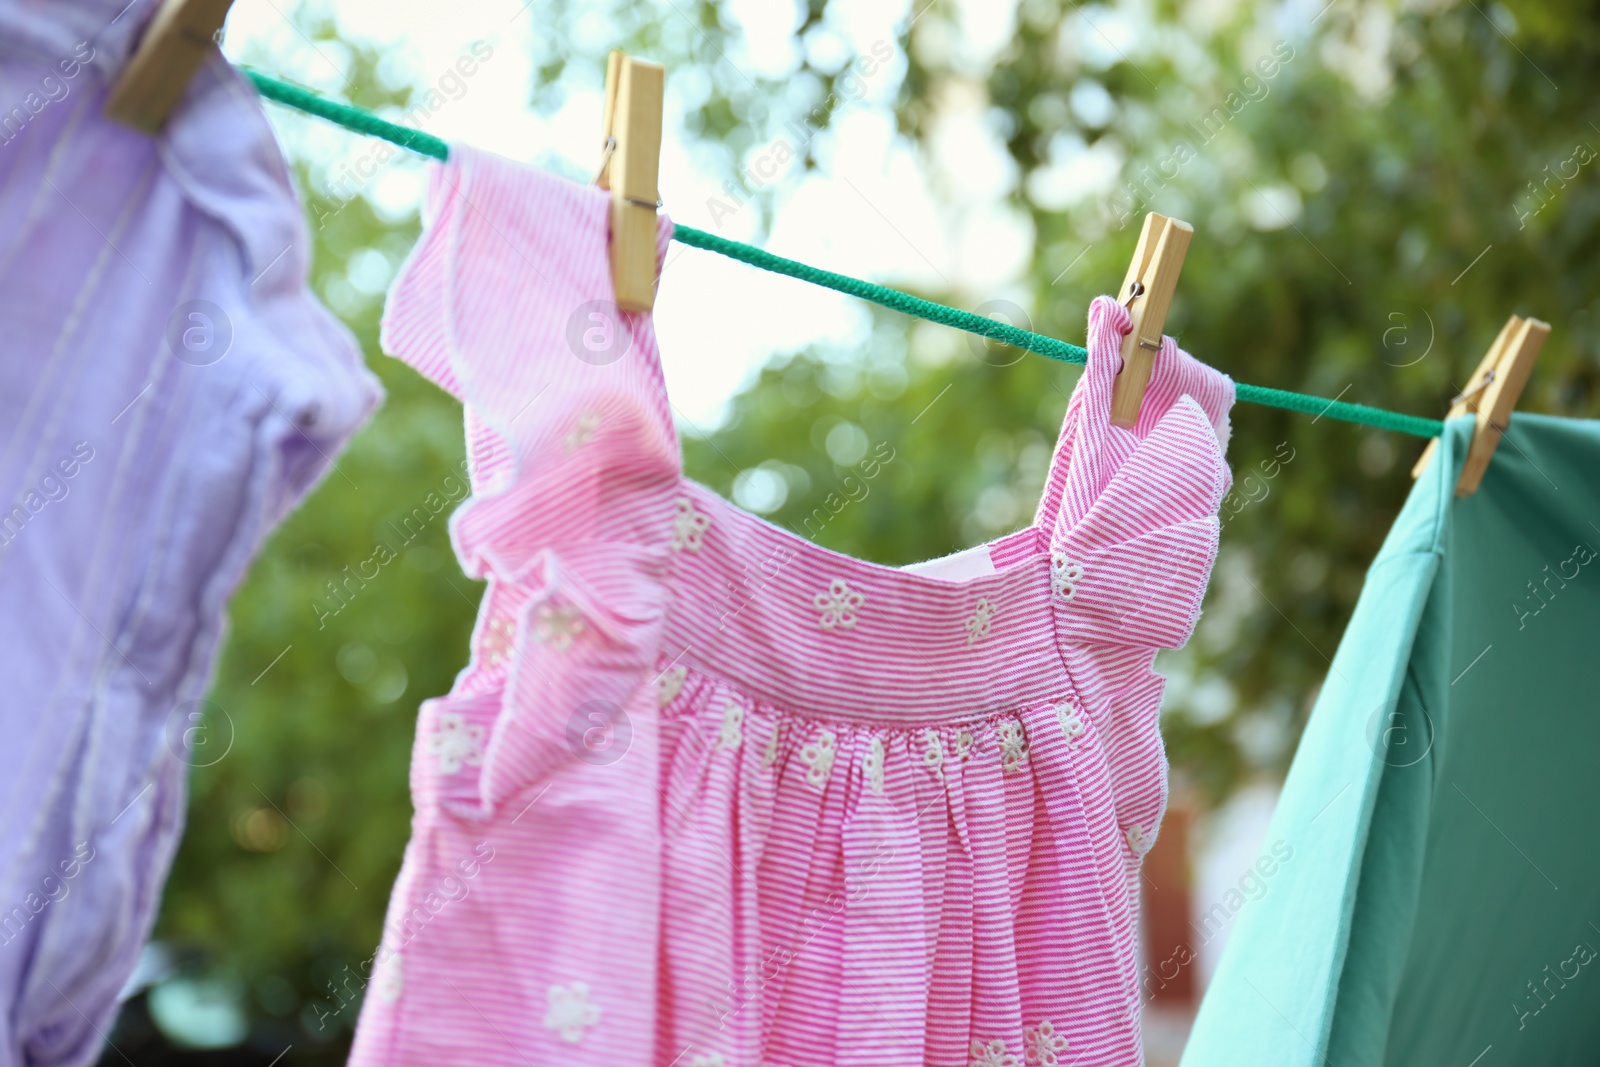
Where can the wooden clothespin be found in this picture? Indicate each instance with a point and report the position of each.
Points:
(1491, 394)
(1467, 402)
(178, 38)
(629, 168)
(1500, 397)
(1147, 291)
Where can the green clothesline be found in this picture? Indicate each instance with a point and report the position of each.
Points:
(365, 122)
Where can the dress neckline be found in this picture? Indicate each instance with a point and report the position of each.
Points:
(808, 629)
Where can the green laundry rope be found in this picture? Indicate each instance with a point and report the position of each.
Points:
(1382, 418)
(882, 294)
(365, 122)
(351, 118)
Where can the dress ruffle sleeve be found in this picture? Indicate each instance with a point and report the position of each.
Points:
(1135, 537)
(535, 779)
(505, 303)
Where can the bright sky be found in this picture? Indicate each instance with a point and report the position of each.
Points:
(872, 213)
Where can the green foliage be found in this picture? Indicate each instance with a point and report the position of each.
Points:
(813, 421)
(1400, 142)
(1407, 154)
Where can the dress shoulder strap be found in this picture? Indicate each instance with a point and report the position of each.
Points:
(506, 302)
(1090, 450)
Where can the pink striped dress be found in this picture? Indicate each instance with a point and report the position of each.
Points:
(708, 795)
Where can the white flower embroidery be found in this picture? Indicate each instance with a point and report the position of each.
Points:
(557, 626)
(1013, 745)
(670, 684)
(872, 766)
(933, 753)
(583, 431)
(497, 640)
(993, 1054)
(978, 624)
(688, 526)
(570, 1011)
(455, 743)
(1071, 722)
(387, 980)
(838, 605)
(1042, 1045)
(710, 1059)
(818, 757)
(1139, 840)
(1064, 575)
(732, 724)
(963, 744)
(770, 756)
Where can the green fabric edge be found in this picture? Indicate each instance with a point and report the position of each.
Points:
(1272, 999)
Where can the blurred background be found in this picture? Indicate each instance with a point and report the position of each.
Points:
(1374, 185)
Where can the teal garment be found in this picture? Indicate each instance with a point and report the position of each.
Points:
(1442, 903)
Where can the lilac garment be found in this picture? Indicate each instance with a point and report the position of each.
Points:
(144, 455)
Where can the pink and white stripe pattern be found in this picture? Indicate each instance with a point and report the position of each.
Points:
(729, 799)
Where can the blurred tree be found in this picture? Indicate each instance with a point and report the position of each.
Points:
(1374, 189)
(1374, 186)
